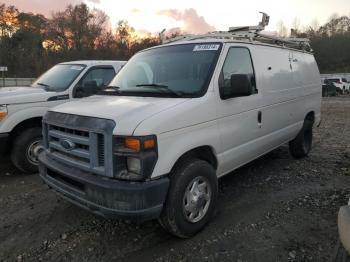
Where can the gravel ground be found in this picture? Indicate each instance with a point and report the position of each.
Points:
(274, 209)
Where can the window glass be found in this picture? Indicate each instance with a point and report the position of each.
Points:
(238, 61)
(178, 70)
(59, 77)
(94, 81)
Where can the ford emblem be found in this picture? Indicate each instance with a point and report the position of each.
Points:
(67, 144)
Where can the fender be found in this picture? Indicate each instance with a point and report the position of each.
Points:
(182, 141)
(17, 117)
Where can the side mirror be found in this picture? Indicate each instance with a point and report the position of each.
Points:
(240, 85)
(87, 89)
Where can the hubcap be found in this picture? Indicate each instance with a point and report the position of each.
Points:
(197, 199)
(33, 151)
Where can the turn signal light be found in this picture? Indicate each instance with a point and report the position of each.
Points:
(3, 115)
(149, 144)
(133, 144)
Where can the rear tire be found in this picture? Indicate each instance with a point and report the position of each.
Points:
(25, 149)
(300, 146)
(191, 199)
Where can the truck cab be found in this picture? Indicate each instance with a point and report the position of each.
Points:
(22, 108)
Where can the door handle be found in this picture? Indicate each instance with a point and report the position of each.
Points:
(259, 119)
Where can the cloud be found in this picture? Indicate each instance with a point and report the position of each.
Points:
(192, 22)
(95, 1)
(42, 7)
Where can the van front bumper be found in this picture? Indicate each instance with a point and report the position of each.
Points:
(344, 226)
(4, 138)
(104, 196)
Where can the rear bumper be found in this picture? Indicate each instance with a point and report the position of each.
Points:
(4, 138)
(107, 197)
(344, 226)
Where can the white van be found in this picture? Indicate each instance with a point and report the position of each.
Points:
(341, 83)
(22, 108)
(176, 118)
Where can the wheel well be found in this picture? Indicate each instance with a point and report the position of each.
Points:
(205, 153)
(310, 116)
(28, 123)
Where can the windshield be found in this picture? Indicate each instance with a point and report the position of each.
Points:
(172, 71)
(59, 77)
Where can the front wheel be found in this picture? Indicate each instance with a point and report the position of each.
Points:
(191, 200)
(25, 150)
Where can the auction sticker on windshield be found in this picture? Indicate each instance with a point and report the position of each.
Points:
(206, 47)
(77, 67)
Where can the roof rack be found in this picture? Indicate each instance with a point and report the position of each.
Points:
(250, 33)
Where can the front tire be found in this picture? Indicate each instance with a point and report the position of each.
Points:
(191, 199)
(25, 150)
(301, 146)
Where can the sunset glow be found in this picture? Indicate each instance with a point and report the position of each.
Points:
(196, 16)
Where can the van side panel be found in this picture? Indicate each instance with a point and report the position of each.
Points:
(289, 88)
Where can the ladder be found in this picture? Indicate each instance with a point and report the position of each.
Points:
(246, 33)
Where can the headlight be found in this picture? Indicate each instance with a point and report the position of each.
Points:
(3, 112)
(134, 157)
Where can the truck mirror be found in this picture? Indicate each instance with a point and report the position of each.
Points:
(240, 85)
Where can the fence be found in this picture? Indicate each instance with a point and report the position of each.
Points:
(16, 81)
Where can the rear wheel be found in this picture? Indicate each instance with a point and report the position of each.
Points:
(191, 200)
(25, 149)
(300, 146)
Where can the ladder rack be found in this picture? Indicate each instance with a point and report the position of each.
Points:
(247, 33)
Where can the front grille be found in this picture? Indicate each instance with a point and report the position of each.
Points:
(80, 142)
(84, 146)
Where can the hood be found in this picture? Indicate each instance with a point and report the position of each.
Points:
(126, 111)
(21, 95)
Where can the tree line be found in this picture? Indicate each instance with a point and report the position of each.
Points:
(32, 43)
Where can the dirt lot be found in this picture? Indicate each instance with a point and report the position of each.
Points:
(274, 209)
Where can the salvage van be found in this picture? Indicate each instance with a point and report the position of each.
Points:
(176, 118)
(22, 108)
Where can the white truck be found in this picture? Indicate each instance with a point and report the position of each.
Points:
(175, 119)
(341, 83)
(22, 108)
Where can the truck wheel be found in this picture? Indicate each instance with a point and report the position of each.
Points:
(25, 150)
(191, 199)
(300, 146)
(342, 255)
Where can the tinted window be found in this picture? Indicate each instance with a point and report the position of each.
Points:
(238, 61)
(59, 77)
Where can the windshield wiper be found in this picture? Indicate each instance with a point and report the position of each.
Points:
(162, 87)
(42, 84)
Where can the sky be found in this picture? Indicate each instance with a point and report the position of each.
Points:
(198, 16)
